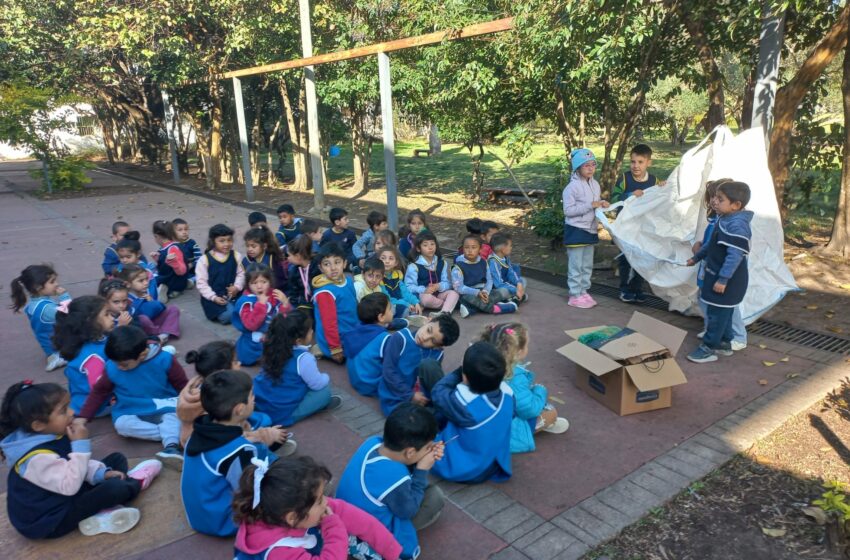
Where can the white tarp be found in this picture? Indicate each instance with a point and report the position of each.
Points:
(656, 231)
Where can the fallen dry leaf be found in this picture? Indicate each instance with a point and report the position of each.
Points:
(762, 381)
(845, 287)
(792, 375)
(785, 359)
(557, 400)
(768, 364)
(762, 346)
(825, 449)
(811, 307)
(773, 532)
(836, 330)
(816, 513)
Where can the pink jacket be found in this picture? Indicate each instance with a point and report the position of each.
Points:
(291, 544)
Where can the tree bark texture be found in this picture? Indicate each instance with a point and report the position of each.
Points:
(215, 136)
(839, 241)
(361, 145)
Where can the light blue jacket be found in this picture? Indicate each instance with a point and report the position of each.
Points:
(529, 402)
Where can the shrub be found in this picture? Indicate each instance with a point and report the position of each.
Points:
(66, 174)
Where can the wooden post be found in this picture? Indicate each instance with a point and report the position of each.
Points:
(767, 74)
(172, 143)
(243, 140)
(312, 109)
(389, 138)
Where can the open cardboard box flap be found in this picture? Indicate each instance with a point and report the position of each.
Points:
(588, 358)
(665, 334)
(651, 376)
(634, 344)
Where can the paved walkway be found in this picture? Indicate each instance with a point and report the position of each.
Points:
(577, 490)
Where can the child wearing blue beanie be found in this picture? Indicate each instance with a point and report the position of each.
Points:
(581, 197)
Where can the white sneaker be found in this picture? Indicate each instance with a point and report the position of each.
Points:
(464, 311)
(560, 426)
(738, 346)
(288, 448)
(115, 521)
(190, 284)
(163, 338)
(162, 293)
(701, 334)
(170, 349)
(55, 361)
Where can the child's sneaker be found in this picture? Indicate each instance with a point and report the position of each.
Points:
(190, 283)
(171, 456)
(162, 293)
(504, 307)
(702, 354)
(590, 301)
(579, 302)
(334, 403)
(416, 321)
(640, 297)
(115, 521)
(163, 338)
(287, 449)
(172, 295)
(434, 314)
(737, 346)
(55, 361)
(627, 297)
(724, 350)
(559, 426)
(170, 349)
(700, 335)
(145, 472)
(463, 310)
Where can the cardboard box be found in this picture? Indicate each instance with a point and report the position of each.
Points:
(631, 374)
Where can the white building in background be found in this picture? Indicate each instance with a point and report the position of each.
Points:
(83, 135)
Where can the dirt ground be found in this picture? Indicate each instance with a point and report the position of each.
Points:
(752, 506)
(824, 279)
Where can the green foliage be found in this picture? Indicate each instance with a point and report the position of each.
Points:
(517, 142)
(30, 117)
(835, 500)
(547, 219)
(66, 174)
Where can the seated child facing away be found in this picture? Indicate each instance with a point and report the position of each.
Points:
(54, 485)
(117, 296)
(488, 230)
(171, 268)
(412, 362)
(40, 284)
(471, 279)
(290, 386)
(313, 230)
(726, 274)
(255, 310)
(581, 197)
(80, 338)
(388, 476)
(532, 412)
(145, 381)
(301, 269)
(369, 281)
(261, 248)
(405, 302)
(386, 238)
(365, 246)
(340, 234)
(334, 301)
(289, 228)
(218, 452)
(220, 275)
(110, 254)
(191, 250)
(154, 317)
(283, 514)
(257, 219)
(416, 224)
(365, 344)
(479, 407)
(506, 274)
(427, 275)
(212, 357)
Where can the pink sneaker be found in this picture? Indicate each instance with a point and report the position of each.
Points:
(589, 300)
(145, 472)
(579, 302)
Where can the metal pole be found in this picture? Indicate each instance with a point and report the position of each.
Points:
(389, 138)
(172, 143)
(243, 140)
(312, 111)
(767, 74)
(45, 168)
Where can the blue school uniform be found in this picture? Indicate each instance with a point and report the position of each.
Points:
(483, 447)
(110, 260)
(410, 355)
(144, 390)
(90, 358)
(280, 399)
(400, 295)
(706, 237)
(732, 231)
(367, 479)
(474, 274)
(41, 312)
(191, 253)
(220, 275)
(140, 306)
(286, 234)
(165, 275)
(364, 352)
(249, 347)
(212, 465)
(345, 299)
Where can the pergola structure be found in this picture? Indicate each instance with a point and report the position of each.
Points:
(308, 62)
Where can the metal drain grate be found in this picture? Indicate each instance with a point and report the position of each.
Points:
(654, 302)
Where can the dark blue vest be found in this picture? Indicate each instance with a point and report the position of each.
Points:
(474, 274)
(427, 276)
(220, 276)
(736, 288)
(166, 275)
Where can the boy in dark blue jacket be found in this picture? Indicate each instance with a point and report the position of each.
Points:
(726, 276)
(339, 233)
(364, 346)
(479, 407)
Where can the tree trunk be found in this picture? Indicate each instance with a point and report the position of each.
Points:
(789, 97)
(674, 132)
(214, 169)
(108, 132)
(568, 137)
(581, 130)
(361, 145)
(257, 132)
(296, 138)
(839, 241)
(273, 143)
(435, 146)
(746, 120)
(716, 99)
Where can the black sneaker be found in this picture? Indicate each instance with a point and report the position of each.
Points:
(335, 402)
(640, 297)
(627, 297)
(171, 456)
(724, 350)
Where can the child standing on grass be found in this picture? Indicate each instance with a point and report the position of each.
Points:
(171, 269)
(582, 196)
(191, 250)
(254, 311)
(80, 338)
(725, 274)
(428, 276)
(40, 284)
(54, 485)
(416, 224)
(155, 318)
(220, 275)
(283, 514)
(290, 386)
(532, 414)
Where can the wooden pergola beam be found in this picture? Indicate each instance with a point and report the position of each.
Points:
(475, 30)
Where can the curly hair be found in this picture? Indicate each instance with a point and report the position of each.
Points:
(280, 339)
(509, 339)
(78, 326)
